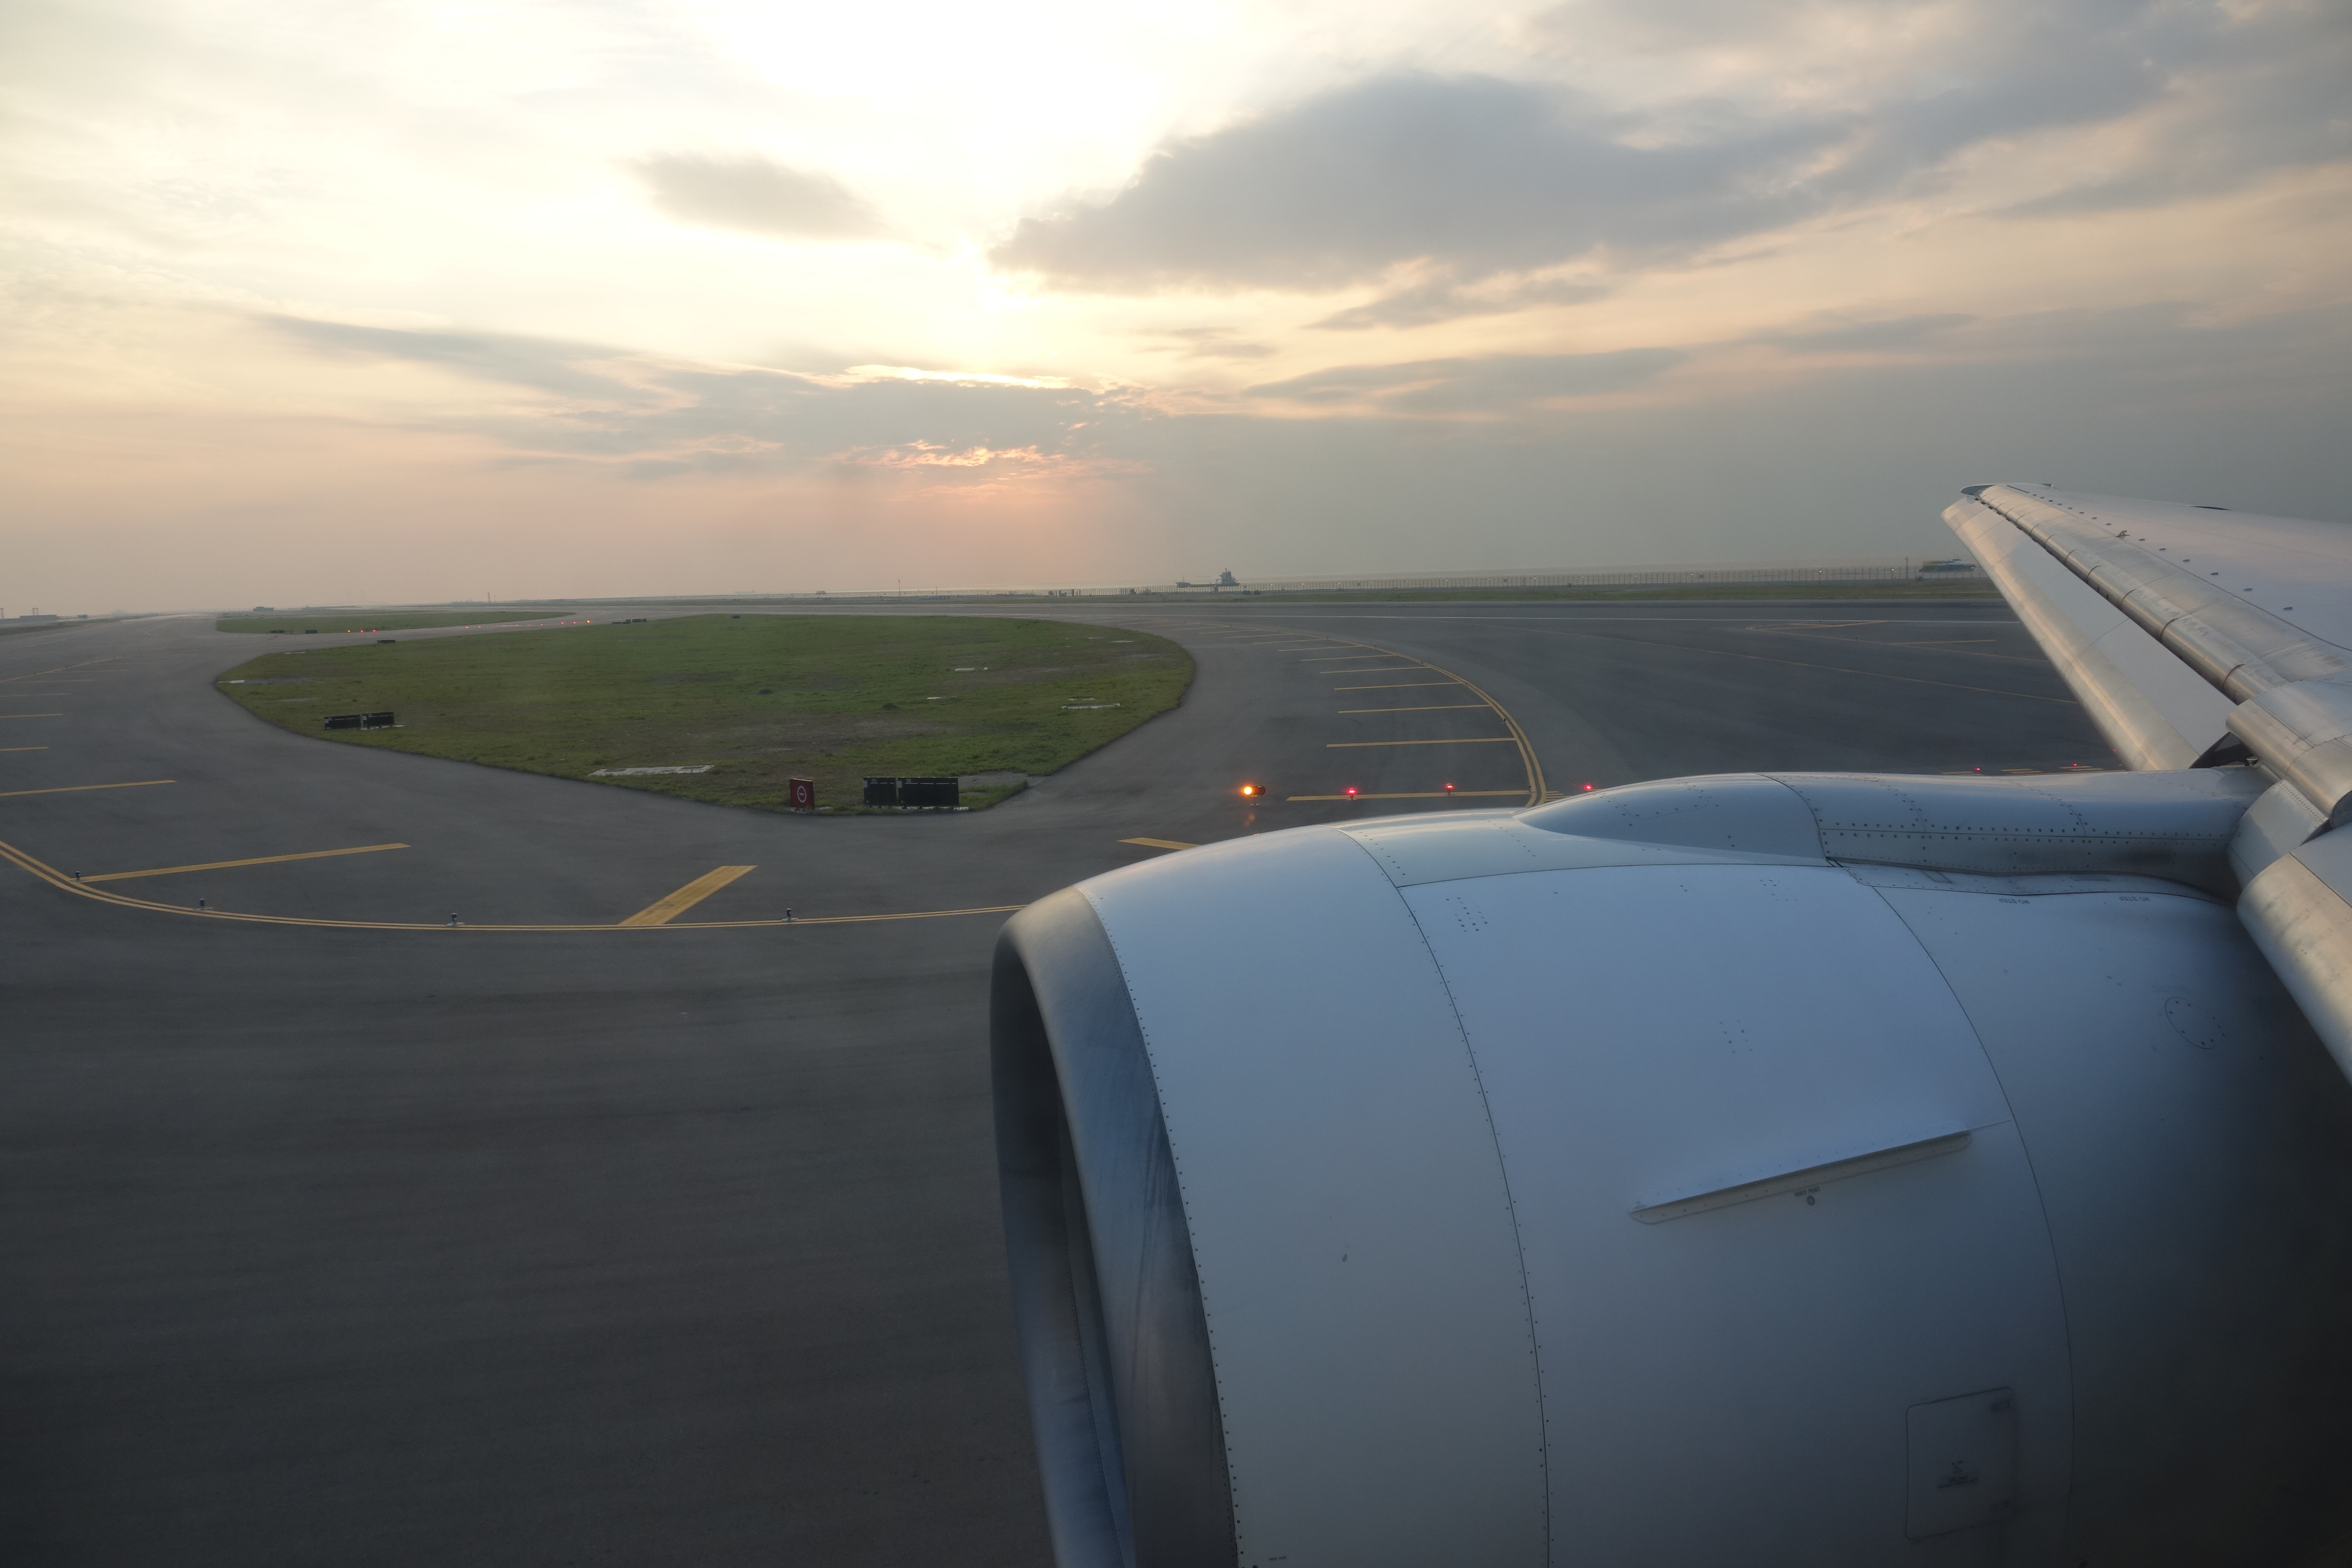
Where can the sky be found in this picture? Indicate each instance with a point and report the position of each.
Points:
(371, 303)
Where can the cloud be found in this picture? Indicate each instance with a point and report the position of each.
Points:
(2200, 97)
(1482, 174)
(756, 195)
(1868, 337)
(663, 416)
(1213, 343)
(1442, 300)
(1486, 383)
(1805, 108)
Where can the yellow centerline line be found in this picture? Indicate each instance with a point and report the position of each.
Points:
(65, 883)
(225, 865)
(1411, 795)
(69, 789)
(23, 747)
(31, 715)
(1400, 686)
(1423, 708)
(11, 679)
(1161, 843)
(667, 907)
(1462, 741)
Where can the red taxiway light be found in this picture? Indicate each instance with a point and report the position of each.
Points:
(1351, 789)
(1588, 786)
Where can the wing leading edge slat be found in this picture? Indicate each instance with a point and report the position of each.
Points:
(2152, 708)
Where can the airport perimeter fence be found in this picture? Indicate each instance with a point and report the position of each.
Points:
(1781, 575)
(1640, 578)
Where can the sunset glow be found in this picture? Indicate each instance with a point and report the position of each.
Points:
(390, 303)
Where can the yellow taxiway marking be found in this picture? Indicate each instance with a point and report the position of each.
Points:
(65, 883)
(1424, 708)
(1528, 758)
(663, 910)
(1367, 669)
(1411, 795)
(1343, 657)
(53, 669)
(1466, 741)
(225, 865)
(1400, 686)
(69, 789)
(1161, 843)
(23, 747)
(31, 715)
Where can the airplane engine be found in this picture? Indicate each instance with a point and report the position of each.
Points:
(1797, 1170)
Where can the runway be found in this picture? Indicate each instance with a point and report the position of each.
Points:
(422, 1196)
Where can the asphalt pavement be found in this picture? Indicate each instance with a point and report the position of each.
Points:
(333, 1231)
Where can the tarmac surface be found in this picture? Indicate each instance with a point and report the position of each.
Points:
(332, 1232)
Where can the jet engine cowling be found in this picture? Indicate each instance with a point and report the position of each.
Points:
(1810, 1170)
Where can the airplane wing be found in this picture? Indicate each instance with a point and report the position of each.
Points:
(2198, 636)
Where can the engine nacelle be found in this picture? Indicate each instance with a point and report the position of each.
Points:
(1646, 1179)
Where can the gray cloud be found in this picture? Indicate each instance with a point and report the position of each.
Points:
(1213, 342)
(2232, 90)
(1442, 300)
(607, 403)
(1487, 174)
(1472, 177)
(1868, 337)
(1855, 454)
(755, 195)
(1483, 384)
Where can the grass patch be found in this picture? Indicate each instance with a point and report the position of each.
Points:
(761, 698)
(373, 620)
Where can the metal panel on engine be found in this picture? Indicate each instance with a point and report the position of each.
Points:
(1645, 1033)
(2179, 1114)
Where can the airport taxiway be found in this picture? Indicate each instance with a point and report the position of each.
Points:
(576, 1231)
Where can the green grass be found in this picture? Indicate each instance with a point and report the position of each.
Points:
(760, 698)
(349, 620)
